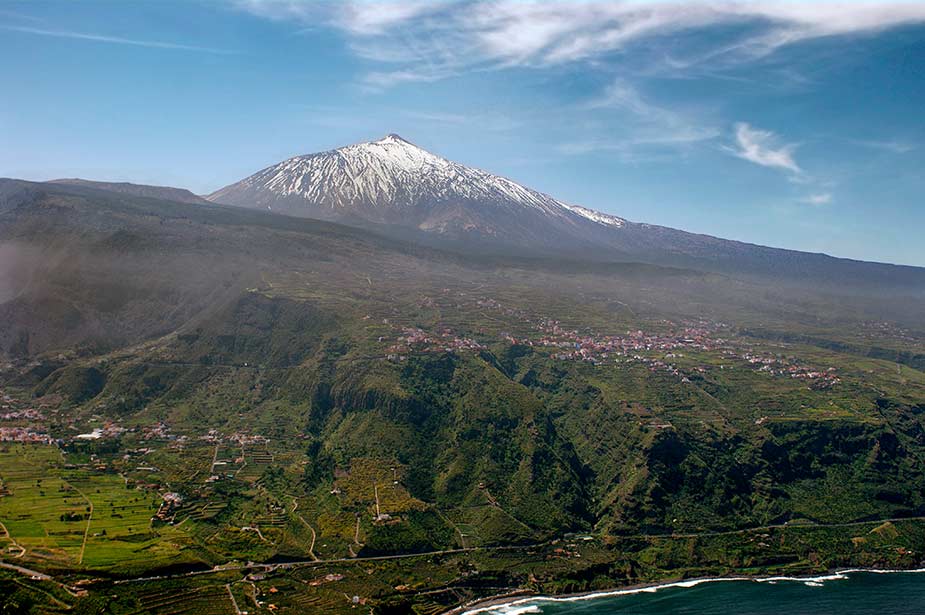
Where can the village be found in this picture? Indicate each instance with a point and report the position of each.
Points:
(26, 421)
(415, 339)
(788, 367)
(657, 351)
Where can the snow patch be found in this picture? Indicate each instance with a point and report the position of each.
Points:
(595, 216)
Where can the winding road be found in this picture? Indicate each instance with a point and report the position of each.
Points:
(341, 560)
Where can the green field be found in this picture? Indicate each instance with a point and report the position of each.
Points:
(77, 517)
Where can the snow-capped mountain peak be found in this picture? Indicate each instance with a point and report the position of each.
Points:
(391, 152)
(395, 138)
(393, 181)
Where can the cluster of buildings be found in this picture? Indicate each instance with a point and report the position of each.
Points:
(414, 339)
(109, 429)
(788, 367)
(655, 350)
(569, 344)
(158, 431)
(878, 330)
(6, 401)
(12, 409)
(328, 578)
(595, 348)
(25, 435)
(167, 511)
(213, 436)
(28, 414)
(245, 439)
(491, 304)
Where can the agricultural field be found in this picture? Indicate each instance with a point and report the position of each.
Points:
(79, 517)
(434, 583)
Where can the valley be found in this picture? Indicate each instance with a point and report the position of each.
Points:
(239, 409)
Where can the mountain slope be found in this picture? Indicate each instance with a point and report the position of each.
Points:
(180, 195)
(481, 401)
(209, 317)
(393, 182)
(407, 191)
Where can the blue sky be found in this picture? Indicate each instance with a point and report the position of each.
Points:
(789, 124)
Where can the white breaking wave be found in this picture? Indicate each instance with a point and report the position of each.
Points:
(516, 609)
(533, 604)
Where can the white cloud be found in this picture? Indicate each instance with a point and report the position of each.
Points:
(822, 198)
(623, 94)
(99, 38)
(760, 147)
(306, 13)
(21, 16)
(413, 41)
(361, 18)
(432, 40)
(390, 78)
(643, 125)
(370, 18)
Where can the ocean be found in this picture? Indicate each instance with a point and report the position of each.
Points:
(843, 593)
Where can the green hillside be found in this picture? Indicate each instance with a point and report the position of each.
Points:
(192, 386)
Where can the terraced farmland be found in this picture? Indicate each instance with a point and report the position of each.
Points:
(43, 513)
(76, 516)
(205, 600)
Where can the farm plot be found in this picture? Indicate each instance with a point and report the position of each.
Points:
(206, 600)
(375, 485)
(119, 531)
(256, 461)
(75, 516)
(43, 514)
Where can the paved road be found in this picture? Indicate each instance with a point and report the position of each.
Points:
(39, 576)
(778, 526)
(234, 602)
(344, 560)
(322, 562)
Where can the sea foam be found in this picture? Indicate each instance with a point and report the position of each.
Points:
(533, 604)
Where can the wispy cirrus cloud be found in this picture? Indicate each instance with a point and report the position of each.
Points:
(426, 41)
(20, 16)
(893, 145)
(360, 18)
(645, 125)
(762, 147)
(412, 41)
(118, 40)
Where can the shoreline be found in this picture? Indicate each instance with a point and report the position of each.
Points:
(526, 598)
